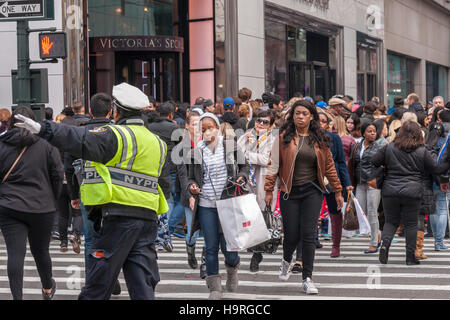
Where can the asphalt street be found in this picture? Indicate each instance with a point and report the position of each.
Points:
(353, 276)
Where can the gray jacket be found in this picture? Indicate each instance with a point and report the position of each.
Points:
(258, 156)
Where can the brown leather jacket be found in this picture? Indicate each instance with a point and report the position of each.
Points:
(283, 166)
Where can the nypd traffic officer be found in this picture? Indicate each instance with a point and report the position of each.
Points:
(120, 190)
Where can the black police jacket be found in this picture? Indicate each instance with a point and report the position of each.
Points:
(98, 146)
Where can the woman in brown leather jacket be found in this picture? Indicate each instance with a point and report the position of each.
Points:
(301, 158)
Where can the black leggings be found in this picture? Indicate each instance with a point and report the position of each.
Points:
(300, 215)
(406, 210)
(66, 213)
(17, 227)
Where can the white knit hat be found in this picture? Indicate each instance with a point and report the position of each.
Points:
(208, 115)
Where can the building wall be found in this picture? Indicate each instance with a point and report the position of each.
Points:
(251, 46)
(8, 61)
(351, 14)
(419, 29)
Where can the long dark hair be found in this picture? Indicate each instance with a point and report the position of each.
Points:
(317, 134)
(435, 114)
(436, 131)
(410, 137)
(379, 124)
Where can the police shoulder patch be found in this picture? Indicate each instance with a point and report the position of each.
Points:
(99, 130)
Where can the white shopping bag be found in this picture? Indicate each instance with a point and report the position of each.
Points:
(364, 225)
(242, 222)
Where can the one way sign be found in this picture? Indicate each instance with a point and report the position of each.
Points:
(21, 10)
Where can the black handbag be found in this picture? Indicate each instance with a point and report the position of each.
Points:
(274, 226)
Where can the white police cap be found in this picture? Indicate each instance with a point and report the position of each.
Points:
(130, 97)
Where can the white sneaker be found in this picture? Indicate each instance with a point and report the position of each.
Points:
(285, 270)
(308, 287)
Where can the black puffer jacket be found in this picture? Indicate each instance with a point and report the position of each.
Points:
(428, 205)
(36, 181)
(405, 171)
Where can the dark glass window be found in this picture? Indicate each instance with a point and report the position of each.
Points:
(276, 64)
(437, 81)
(400, 77)
(367, 73)
(130, 17)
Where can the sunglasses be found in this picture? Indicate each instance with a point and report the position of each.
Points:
(262, 121)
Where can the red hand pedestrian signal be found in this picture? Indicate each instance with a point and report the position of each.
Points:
(46, 45)
(52, 45)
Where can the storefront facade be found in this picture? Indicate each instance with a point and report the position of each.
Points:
(418, 48)
(168, 48)
(312, 47)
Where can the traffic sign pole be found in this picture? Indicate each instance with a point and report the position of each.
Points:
(23, 64)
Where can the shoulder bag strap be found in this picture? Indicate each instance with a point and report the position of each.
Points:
(14, 164)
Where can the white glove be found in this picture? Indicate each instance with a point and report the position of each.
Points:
(32, 126)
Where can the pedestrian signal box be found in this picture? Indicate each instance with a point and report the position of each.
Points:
(52, 45)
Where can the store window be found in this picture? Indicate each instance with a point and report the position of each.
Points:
(400, 77)
(276, 64)
(367, 64)
(437, 81)
(367, 74)
(312, 61)
(131, 17)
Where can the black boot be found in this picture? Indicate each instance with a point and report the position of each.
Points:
(192, 261)
(411, 259)
(203, 265)
(384, 252)
(256, 260)
(117, 289)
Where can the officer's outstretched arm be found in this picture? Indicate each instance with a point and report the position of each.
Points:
(94, 145)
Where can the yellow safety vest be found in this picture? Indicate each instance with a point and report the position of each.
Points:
(131, 177)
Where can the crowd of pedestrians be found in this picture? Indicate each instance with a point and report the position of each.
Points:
(296, 156)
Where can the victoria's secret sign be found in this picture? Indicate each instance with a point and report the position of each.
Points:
(137, 43)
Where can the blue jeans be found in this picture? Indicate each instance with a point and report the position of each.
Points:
(438, 220)
(209, 222)
(164, 236)
(189, 215)
(176, 212)
(88, 230)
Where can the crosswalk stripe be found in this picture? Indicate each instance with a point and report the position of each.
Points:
(204, 296)
(59, 292)
(335, 278)
(319, 285)
(242, 296)
(260, 273)
(333, 263)
(321, 254)
(271, 284)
